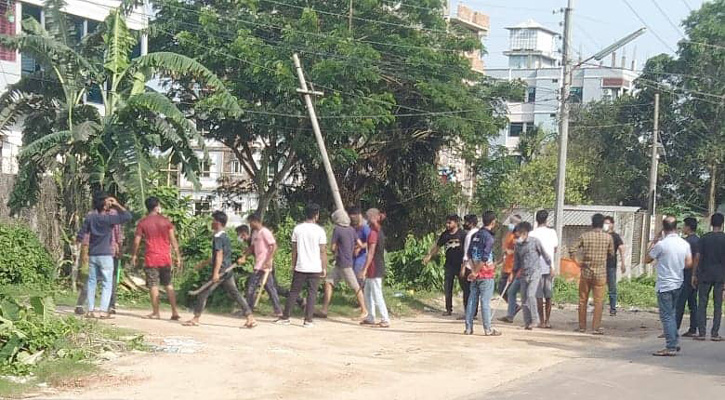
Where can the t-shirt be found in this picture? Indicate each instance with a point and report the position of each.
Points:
(712, 258)
(344, 237)
(480, 251)
(363, 232)
(694, 242)
(549, 242)
(221, 242)
(377, 267)
(308, 238)
(155, 230)
(99, 227)
(453, 245)
(509, 243)
(670, 254)
(612, 259)
(261, 240)
(466, 245)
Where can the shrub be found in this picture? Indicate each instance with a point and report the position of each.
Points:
(23, 259)
(406, 269)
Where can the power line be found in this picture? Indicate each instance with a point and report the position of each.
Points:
(687, 5)
(664, 14)
(642, 20)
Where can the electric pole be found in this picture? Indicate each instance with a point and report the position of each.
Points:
(563, 127)
(650, 222)
(307, 94)
(349, 19)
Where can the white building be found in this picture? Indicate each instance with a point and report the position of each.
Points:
(13, 65)
(534, 60)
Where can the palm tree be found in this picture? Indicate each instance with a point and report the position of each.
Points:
(99, 148)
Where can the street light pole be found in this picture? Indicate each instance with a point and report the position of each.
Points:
(563, 127)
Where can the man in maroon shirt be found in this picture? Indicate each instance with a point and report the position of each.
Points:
(158, 233)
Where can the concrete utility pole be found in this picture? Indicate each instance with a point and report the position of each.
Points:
(650, 222)
(307, 94)
(563, 127)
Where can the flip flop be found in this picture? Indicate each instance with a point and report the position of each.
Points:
(317, 314)
(190, 323)
(152, 316)
(250, 325)
(175, 317)
(107, 316)
(382, 325)
(665, 353)
(598, 332)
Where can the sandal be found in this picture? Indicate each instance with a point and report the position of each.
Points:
(175, 317)
(318, 314)
(492, 332)
(598, 332)
(190, 323)
(665, 353)
(107, 316)
(367, 322)
(250, 325)
(152, 316)
(383, 325)
(90, 315)
(580, 330)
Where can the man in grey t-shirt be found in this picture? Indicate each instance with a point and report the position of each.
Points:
(344, 239)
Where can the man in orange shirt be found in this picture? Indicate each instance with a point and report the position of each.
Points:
(507, 247)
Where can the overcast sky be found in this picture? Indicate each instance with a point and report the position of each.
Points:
(597, 23)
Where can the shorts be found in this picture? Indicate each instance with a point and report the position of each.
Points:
(546, 287)
(154, 276)
(347, 274)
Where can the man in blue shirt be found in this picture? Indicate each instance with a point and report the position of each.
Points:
(363, 231)
(673, 255)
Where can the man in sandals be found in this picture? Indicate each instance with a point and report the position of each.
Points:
(482, 275)
(221, 261)
(374, 271)
(159, 237)
(673, 255)
(528, 258)
(595, 246)
(344, 240)
(263, 246)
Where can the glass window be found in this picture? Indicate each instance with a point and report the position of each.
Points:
(515, 129)
(7, 27)
(531, 94)
(201, 207)
(27, 63)
(205, 169)
(136, 51)
(523, 39)
(79, 29)
(576, 94)
(236, 167)
(92, 26)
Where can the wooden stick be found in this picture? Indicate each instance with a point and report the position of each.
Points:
(211, 282)
(261, 287)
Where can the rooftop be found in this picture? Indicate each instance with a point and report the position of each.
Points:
(531, 24)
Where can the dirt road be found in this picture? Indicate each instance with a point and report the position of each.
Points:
(425, 357)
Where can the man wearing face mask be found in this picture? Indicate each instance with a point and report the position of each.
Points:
(612, 264)
(545, 291)
(452, 240)
(528, 256)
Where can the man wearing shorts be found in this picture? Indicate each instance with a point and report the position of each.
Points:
(549, 242)
(158, 235)
(344, 240)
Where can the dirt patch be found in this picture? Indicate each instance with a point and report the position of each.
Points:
(424, 357)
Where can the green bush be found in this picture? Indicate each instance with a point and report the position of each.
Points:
(23, 259)
(406, 269)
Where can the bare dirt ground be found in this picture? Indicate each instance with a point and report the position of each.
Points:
(423, 357)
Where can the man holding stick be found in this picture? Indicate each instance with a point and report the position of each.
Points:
(221, 262)
(263, 247)
(158, 234)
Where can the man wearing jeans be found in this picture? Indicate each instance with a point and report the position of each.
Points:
(99, 250)
(595, 245)
(452, 241)
(688, 295)
(482, 275)
(709, 276)
(673, 256)
(612, 264)
(263, 246)
(528, 258)
(374, 271)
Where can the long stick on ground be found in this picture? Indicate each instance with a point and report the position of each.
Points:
(211, 282)
(503, 293)
(261, 287)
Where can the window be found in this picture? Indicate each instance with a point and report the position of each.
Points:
(523, 39)
(91, 26)
(554, 81)
(79, 27)
(205, 168)
(7, 27)
(236, 167)
(515, 129)
(552, 115)
(201, 207)
(136, 51)
(576, 94)
(28, 64)
(531, 94)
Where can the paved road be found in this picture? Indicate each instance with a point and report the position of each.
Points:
(629, 373)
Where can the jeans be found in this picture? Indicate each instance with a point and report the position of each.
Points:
(100, 266)
(511, 293)
(597, 287)
(299, 279)
(228, 282)
(271, 287)
(688, 295)
(612, 285)
(529, 285)
(83, 294)
(373, 293)
(480, 289)
(703, 290)
(667, 302)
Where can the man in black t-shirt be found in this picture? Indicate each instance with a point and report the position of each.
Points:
(452, 241)
(612, 264)
(688, 293)
(709, 275)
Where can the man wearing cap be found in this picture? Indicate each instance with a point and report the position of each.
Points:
(344, 239)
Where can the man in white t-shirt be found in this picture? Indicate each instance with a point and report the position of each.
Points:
(309, 258)
(550, 242)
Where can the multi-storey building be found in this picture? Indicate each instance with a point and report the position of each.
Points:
(86, 15)
(534, 60)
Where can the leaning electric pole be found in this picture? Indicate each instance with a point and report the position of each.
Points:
(563, 126)
(307, 94)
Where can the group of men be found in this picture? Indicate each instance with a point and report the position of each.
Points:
(358, 245)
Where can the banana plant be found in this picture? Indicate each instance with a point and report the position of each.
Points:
(108, 147)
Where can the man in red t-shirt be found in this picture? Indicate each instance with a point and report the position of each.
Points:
(158, 234)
